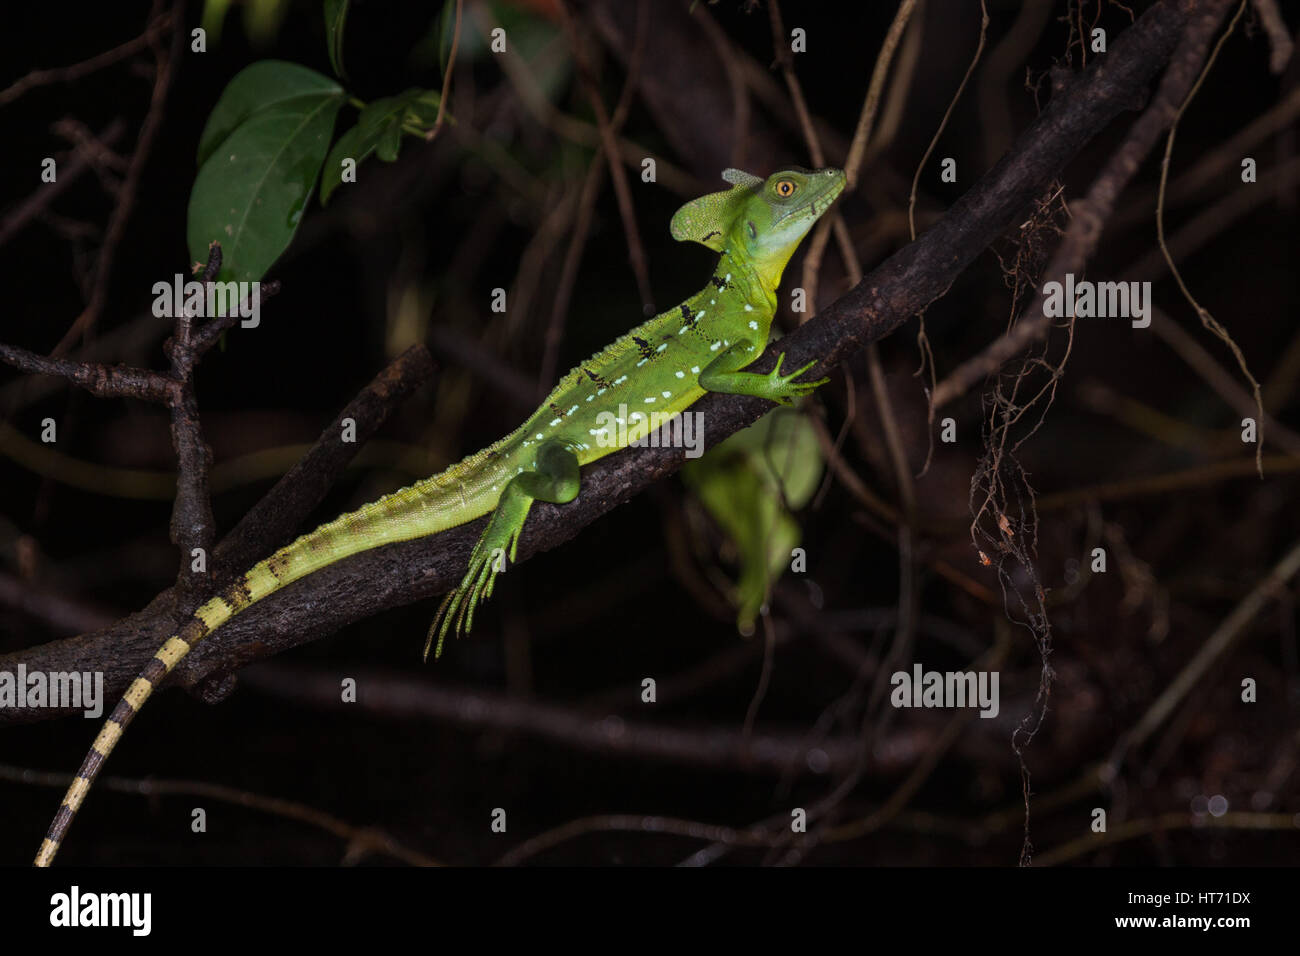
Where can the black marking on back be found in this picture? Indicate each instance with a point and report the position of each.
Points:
(643, 347)
(719, 282)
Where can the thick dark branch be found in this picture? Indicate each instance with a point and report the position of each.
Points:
(886, 298)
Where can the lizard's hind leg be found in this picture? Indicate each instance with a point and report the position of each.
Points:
(553, 478)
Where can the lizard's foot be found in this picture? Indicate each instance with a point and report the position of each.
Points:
(498, 544)
(783, 389)
(721, 375)
(554, 477)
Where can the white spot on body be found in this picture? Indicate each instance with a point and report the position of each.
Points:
(681, 374)
(554, 422)
(748, 307)
(667, 394)
(642, 362)
(753, 324)
(572, 410)
(683, 330)
(715, 346)
(620, 380)
(600, 391)
(650, 400)
(695, 369)
(662, 347)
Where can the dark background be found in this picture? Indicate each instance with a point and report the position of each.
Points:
(583, 625)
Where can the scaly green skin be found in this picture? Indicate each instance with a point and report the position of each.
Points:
(663, 366)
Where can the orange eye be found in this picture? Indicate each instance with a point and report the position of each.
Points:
(785, 188)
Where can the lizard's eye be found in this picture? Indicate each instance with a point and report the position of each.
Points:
(785, 188)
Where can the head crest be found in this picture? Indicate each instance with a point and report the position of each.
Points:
(708, 219)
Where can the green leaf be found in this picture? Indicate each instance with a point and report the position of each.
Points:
(251, 193)
(390, 141)
(336, 12)
(424, 108)
(349, 146)
(257, 87)
(378, 130)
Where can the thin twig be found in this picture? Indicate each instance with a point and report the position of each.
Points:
(861, 136)
(130, 187)
(1208, 320)
(69, 172)
(70, 74)
(359, 840)
(1279, 37)
(446, 77)
(608, 137)
(1131, 829)
(586, 208)
(1224, 636)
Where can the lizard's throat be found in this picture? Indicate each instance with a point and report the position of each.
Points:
(755, 283)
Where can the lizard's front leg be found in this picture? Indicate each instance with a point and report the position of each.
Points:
(723, 375)
(553, 477)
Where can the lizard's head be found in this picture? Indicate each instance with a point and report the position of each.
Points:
(762, 219)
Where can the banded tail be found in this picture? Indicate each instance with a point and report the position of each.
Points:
(460, 494)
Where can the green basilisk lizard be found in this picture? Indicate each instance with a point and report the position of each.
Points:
(662, 366)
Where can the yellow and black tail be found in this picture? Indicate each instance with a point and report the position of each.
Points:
(206, 619)
(457, 495)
